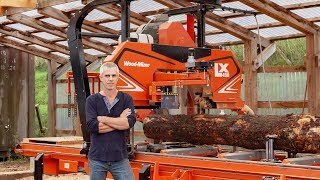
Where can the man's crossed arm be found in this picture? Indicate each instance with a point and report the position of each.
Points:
(108, 124)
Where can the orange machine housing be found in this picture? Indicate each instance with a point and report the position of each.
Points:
(145, 69)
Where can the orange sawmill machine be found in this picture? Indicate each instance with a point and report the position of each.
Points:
(169, 69)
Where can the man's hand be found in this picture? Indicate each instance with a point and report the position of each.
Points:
(103, 128)
(125, 113)
(101, 118)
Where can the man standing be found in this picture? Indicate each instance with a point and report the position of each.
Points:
(109, 114)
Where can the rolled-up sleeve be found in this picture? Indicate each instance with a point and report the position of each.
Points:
(91, 115)
(132, 116)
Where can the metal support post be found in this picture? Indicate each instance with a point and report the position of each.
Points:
(269, 147)
(201, 26)
(125, 20)
(144, 173)
(38, 167)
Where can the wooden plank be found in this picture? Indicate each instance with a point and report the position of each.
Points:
(281, 14)
(313, 84)
(65, 106)
(55, 140)
(47, 3)
(251, 96)
(13, 10)
(283, 104)
(19, 3)
(262, 57)
(51, 66)
(31, 95)
(282, 69)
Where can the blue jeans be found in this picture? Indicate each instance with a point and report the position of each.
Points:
(120, 170)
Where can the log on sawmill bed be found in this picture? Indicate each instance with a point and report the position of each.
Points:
(296, 133)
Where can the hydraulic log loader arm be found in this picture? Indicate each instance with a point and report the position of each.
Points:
(167, 70)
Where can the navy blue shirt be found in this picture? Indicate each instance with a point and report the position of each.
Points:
(110, 146)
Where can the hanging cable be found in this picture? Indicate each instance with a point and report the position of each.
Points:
(263, 69)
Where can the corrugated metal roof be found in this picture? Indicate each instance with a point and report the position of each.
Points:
(32, 13)
(96, 15)
(63, 43)
(61, 54)
(308, 12)
(178, 18)
(21, 27)
(289, 2)
(3, 19)
(94, 52)
(16, 39)
(54, 22)
(116, 25)
(146, 5)
(221, 38)
(277, 31)
(70, 6)
(46, 35)
(40, 48)
(250, 20)
(104, 40)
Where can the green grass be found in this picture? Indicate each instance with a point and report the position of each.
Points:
(292, 49)
(41, 91)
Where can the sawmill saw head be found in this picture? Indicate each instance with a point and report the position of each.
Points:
(174, 73)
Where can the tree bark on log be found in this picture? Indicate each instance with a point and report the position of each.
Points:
(296, 133)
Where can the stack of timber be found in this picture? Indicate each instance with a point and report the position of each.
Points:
(295, 133)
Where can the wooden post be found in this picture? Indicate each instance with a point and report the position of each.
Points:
(31, 95)
(250, 74)
(78, 126)
(51, 67)
(312, 66)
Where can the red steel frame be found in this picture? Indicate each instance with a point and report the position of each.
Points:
(63, 159)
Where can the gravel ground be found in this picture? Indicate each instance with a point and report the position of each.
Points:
(15, 165)
(74, 176)
(23, 164)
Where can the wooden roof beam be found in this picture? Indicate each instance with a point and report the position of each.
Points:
(45, 27)
(41, 42)
(19, 3)
(283, 15)
(262, 26)
(39, 4)
(288, 7)
(33, 50)
(48, 3)
(61, 16)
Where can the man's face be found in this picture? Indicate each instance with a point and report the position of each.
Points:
(109, 78)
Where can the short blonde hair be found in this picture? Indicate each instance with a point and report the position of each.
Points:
(108, 65)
